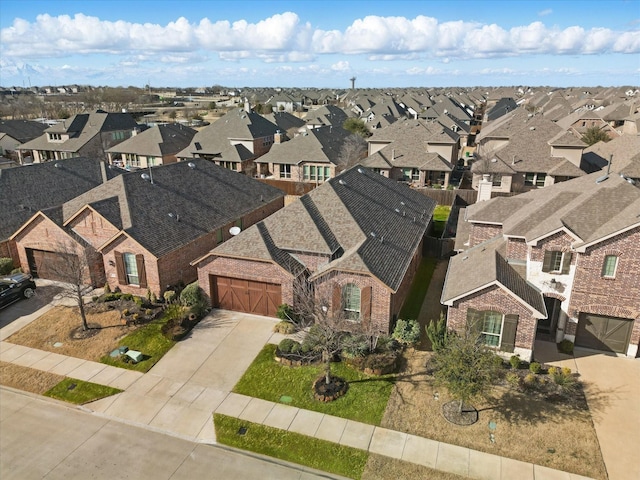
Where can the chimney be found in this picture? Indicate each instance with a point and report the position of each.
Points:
(484, 188)
(247, 107)
(277, 138)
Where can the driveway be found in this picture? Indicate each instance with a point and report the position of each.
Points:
(181, 391)
(20, 313)
(612, 388)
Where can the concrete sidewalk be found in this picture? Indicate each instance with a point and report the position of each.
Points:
(195, 378)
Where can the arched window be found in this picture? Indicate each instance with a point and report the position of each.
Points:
(351, 301)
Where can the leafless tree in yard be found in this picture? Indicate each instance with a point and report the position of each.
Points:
(353, 151)
(73, 268)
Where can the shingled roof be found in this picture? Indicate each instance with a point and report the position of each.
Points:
(174, 204)
(588, 208)
(364, 222)
(30, 188)
(22, 130)
(157, 141)
(489, 269)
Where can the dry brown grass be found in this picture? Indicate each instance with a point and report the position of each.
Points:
(529, 429)
(58, 325)
(379, 467)
(28, 379)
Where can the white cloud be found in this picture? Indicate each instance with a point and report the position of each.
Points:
(341, 66)
(544, 13)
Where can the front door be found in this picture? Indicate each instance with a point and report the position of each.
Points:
(548, 325)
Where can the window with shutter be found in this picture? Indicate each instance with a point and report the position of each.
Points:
(509, 329)
(351, 301)
(365, 303)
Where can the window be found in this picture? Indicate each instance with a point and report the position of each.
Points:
(219, 236)
(496, 180)
(534, 179)
(152, 161)
(556, 261)
(410, 174)
(351, 301)
(493, 328)
(609, 267)
(285, 171)
(229, 165)
(118, 135)
(130, 268)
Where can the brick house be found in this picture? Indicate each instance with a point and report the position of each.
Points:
(313, 156)
(155, 146)
(14, 133)
(418, 152)
(556, 264)
(356, 239)
(83, 135)
(233, 141)
(146, 228)
(18, 203)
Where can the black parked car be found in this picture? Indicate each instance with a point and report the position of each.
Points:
(16, 286)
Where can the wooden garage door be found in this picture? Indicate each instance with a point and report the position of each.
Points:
(49, 265)
(604, 333)
(246, 295)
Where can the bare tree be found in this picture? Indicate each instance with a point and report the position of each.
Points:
(353, 151)
(72, 267)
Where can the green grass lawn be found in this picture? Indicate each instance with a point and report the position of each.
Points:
(79, 392)
(412, 304)
(440, 217)
(292, 447)
(150, 341)
(365, 400)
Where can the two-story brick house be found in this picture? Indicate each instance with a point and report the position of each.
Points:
(83, 135)
(561, 263)
(140, 231)
(356, 241)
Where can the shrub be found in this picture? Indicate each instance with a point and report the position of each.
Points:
(530, 379)
(148, 312)
(285, 312)
(199, 309)
(138, 301)
(386, 343)
(437, 333)
(566, 371)
(286, 345)
(191, 295)
(127, 296)
(513, 379)
(284, 327)
(135, 317)
(6, 265)
(497, 360)
(173, 312)
(169, 296)
(514, 361)
(407, 332)
(154, 298)
(566, 346)
(149, 295)
(553, 371)
(126, 312)
(355, 346)
(535, 367)
(107, 289)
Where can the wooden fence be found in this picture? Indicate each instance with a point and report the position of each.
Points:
(290, 188)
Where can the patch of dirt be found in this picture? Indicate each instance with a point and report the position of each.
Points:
(452, 413)
(379, 467)
(28, 379)
(528, 428)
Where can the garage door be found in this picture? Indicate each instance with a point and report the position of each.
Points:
(246, 295)
(50, 265)
(604, 333)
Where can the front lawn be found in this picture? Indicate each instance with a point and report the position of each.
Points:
(413, 303)
(80, 392)
(290, 446)
(364, 402)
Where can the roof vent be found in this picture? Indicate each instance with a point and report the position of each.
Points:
(342, 182)
(532, 128)
(57, 165)
(191, 165)
(360, 170)
(146, 176)
(602, 178)
(494, 160)
(234, 231)
(373, 234)
(175, 216)
(397, 210)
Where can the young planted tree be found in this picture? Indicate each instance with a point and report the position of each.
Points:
(72, 268)
(594, 135)
(465, 366)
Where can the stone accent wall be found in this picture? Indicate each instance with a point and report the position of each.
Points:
(481, 232)
(494, 298)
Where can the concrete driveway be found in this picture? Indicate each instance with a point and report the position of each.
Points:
(612, 388)
(181, 391)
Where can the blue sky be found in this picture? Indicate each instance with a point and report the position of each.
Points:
(320, 43)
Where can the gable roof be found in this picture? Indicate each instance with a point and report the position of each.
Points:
(184, 202)
(217, 139)
(22, 130)
(587, 209)
(362, 221)
(81, 128)
(317, 145)
(157, 141)
(27, 189)
(489, 269)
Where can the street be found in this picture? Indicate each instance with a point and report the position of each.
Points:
(45, 439)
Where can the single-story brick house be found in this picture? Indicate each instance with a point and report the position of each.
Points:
(357, 237)
(146, 226)
(554, 264)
